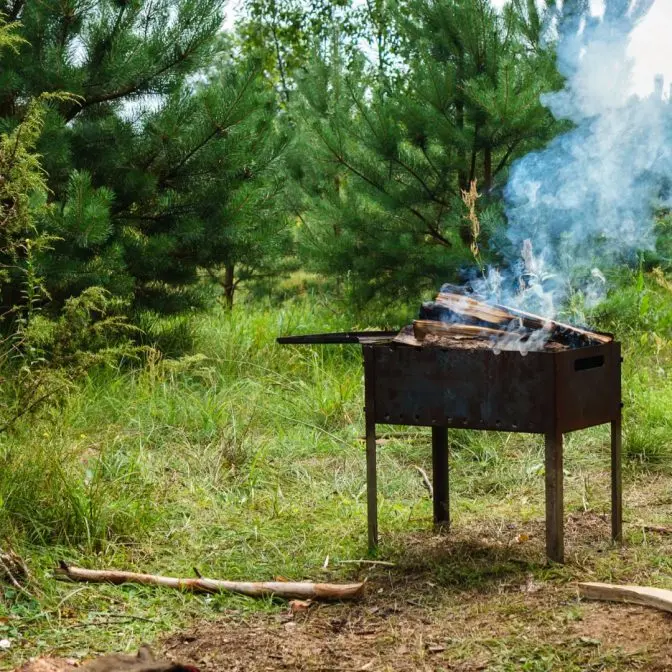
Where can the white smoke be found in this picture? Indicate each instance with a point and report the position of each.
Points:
(586, 201)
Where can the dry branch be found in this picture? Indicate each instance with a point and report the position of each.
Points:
(658, 598)
(425, 480)
(301, 590)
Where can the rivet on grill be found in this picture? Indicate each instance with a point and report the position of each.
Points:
(387, 417)
(515, 427)
(498, 423)
(465, 422)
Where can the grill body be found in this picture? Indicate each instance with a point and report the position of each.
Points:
(479, 389)
(549, 393)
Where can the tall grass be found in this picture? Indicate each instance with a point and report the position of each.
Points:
(243, 417)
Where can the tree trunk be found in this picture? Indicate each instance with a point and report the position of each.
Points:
(229, 285)
(487, 167)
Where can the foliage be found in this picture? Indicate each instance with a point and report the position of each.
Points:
(245, 214)
(639, 310)
(283, 33)
(392, 154)
(40, 356)
(155, 171)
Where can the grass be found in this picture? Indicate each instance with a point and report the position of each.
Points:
(247, 461)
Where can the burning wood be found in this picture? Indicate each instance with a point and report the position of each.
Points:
(457, 317)
(424, 328)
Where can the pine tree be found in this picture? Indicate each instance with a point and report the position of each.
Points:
(460, 103)
(145, 165)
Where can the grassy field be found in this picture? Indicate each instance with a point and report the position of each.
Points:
(246, 461)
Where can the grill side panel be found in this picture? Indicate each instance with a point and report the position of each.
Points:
(588, 383)
(469, 389)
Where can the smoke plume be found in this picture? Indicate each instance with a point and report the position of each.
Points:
(586, 201)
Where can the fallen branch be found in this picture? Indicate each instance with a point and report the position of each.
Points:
(658, 598)
(300, 590)
(13, 568)
(657, 528)
(425, 480)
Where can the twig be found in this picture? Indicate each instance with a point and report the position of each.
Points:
(384, 563)
(426, 481)
(11, 558)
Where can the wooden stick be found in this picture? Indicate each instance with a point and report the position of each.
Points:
(424, 328)
(502, 315)
(299, 590)
(382, 563)
(657, 598)
(425, 479)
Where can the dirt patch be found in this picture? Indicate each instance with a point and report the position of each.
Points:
(634, 630)
(374, 636)
(477, 600)
(384, 636)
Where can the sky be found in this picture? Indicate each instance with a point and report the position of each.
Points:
(650, 47)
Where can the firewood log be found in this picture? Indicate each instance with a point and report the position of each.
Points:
(424, 328)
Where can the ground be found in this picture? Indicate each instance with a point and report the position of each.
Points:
(407, 621)
(247, 462)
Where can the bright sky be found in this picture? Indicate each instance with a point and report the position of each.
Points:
(650, 48)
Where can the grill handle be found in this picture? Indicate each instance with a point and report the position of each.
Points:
(337, 338)
(587, 363)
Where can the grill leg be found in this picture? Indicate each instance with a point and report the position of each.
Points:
(441, 476)
(616, 482)
(555, 545)
(371, 482)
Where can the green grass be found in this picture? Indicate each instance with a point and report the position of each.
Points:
(247, 461)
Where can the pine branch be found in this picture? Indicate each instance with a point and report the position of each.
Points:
(129, 89)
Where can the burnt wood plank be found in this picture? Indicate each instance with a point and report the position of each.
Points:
(424, 328)
(460, 308)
